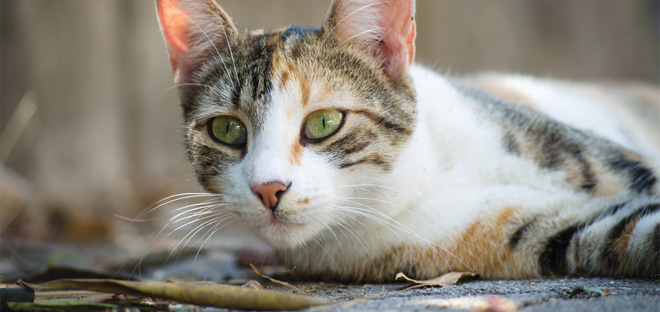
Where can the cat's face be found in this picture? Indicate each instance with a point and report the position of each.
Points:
(289, 127)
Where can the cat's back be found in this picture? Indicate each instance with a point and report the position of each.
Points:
(626, 113)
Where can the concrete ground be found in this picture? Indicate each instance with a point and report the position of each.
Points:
(525, 295)
(219, 263)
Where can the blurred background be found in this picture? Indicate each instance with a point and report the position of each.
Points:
(91, 128)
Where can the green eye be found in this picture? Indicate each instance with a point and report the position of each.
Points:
(228, 130)
(323, 123)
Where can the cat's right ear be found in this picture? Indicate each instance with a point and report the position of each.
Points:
(383, 28)
(194, 30)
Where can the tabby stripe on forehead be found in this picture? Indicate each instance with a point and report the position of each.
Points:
(261, 67)
(217, 76)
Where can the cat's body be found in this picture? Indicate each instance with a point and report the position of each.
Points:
(507, 176)
(493, 203)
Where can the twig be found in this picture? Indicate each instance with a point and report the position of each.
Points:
(296, 289)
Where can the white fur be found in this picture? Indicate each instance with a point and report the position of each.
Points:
(639, 240)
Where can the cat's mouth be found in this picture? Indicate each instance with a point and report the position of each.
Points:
(283, 233)
(279, 222)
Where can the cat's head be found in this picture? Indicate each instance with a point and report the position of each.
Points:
(292, 125)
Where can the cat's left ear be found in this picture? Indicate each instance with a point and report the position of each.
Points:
(385, 28)
(194, 30)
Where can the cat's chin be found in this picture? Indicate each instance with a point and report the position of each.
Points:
(285, 235)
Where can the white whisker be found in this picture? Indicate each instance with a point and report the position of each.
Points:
(392, 224)
(212, 219)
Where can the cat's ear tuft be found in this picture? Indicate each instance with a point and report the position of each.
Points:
(194, 30)
(385, 28)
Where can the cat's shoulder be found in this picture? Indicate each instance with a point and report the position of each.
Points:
(543, 93)
(624, 112)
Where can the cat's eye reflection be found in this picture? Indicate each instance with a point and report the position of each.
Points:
(323, 123)
(228, 130)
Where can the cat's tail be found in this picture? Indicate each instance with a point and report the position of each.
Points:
(622, 241)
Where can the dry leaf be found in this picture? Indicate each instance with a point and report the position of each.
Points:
(451, 278)
(203, 294)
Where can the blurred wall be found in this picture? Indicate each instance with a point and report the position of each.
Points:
(90, 126)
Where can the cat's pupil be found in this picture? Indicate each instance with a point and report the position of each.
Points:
(323, 121)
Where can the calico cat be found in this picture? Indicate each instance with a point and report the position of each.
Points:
(355, 164)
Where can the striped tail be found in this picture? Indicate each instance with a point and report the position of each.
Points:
(623, 241)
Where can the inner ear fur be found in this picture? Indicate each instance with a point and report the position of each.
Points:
(384, 28)
(193, 30)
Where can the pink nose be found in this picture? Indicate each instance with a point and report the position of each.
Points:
(270, 193)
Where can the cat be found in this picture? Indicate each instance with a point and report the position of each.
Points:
(355, 163)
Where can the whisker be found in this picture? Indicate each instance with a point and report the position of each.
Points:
(218, 226)
(186, 239)
(351, 199)
(357, 35)
(196, 215)
(328, 224)
(171, 199)
(325, 251)
(201, 211)
(341, 224)
(374, 215)
(231, 54)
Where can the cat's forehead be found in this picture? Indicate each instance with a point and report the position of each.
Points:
(260, 61)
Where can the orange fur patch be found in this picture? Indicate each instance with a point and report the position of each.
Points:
(297, 152)
(284, 71)
(620, 246)
(482, 248)
(283, 79)
(306, 88)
